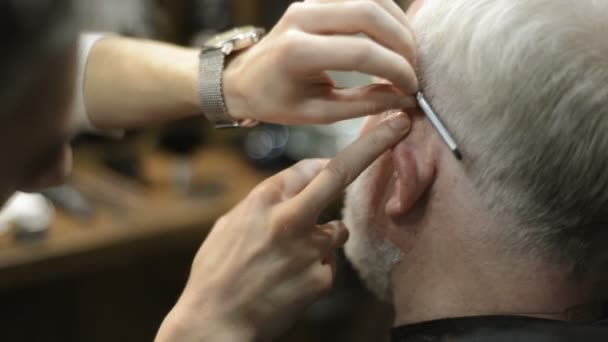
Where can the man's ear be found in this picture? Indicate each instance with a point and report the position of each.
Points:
(414, 161)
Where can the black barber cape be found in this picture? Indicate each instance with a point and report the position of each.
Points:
(500, 329)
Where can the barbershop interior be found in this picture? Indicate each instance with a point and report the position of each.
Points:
(105, 256)
(198, 184)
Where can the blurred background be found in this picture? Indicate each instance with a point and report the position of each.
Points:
(105, 257)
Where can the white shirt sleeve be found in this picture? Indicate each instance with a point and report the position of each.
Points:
(78, 109)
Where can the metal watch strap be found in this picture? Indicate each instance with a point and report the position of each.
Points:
(210, 88)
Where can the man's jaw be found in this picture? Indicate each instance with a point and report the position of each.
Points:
(370, 254)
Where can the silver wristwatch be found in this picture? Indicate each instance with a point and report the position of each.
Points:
(212, 59)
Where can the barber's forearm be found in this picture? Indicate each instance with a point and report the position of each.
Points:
(132, 82)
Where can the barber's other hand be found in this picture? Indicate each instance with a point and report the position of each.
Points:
(267, 260)
(283, 78)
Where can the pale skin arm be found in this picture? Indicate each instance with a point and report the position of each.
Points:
(130, 82)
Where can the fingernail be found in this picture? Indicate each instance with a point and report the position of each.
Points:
(400, 121)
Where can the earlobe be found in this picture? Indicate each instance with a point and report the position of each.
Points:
(415, 172)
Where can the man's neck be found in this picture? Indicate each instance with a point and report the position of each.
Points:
(445, 285)
(455, 268)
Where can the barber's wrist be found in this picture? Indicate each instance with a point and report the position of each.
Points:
(235, 97)
(186, 323)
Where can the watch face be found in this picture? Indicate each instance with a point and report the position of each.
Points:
(248, 34)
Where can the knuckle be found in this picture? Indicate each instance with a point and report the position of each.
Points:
(369, 11)
(363, 52)
(304, 167)
(268, 189)
(291, 44)
(279, 224)
(258, 192)
(307, 110)
(293, 12)
(221, 221)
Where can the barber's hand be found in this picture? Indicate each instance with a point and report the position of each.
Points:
(267, 260)
(282, 79)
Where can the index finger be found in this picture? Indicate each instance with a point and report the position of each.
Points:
(389, 5)
(315, 53)
(388, 25)
(351, 162)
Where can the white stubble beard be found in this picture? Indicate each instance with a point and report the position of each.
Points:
(371, 255)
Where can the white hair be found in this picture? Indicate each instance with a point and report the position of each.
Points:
(371, 254)
(523, 86)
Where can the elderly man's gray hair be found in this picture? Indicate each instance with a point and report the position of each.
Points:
(523, 85)
(31, 31)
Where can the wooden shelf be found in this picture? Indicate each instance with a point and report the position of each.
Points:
(135, 220)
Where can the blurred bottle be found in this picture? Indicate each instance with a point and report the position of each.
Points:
(29, 216)
(181, 139)
(266, 146)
